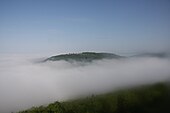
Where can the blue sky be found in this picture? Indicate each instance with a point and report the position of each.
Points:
(61, 26)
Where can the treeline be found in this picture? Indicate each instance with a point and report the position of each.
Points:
(148, 99)
(85, 56)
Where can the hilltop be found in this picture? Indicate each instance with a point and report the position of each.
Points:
(84, 56)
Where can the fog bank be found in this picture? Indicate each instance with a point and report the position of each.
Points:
(25, 83)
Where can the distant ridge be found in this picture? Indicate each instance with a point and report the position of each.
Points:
(158, 55)
(84, 56)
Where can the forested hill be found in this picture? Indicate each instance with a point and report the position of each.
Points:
(85, 56)
(147, 99)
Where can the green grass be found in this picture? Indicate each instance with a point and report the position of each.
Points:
(146, 99)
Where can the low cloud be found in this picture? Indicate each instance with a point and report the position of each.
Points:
(25, 83)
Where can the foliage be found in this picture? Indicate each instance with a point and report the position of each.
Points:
(148, 99)
(85, 56)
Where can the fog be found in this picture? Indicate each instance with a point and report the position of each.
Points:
(25, 83)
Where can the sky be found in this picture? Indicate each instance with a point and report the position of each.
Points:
(61, 26)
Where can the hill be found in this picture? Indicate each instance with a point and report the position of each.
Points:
(157, 55)
(85, 57)
(147, 99)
